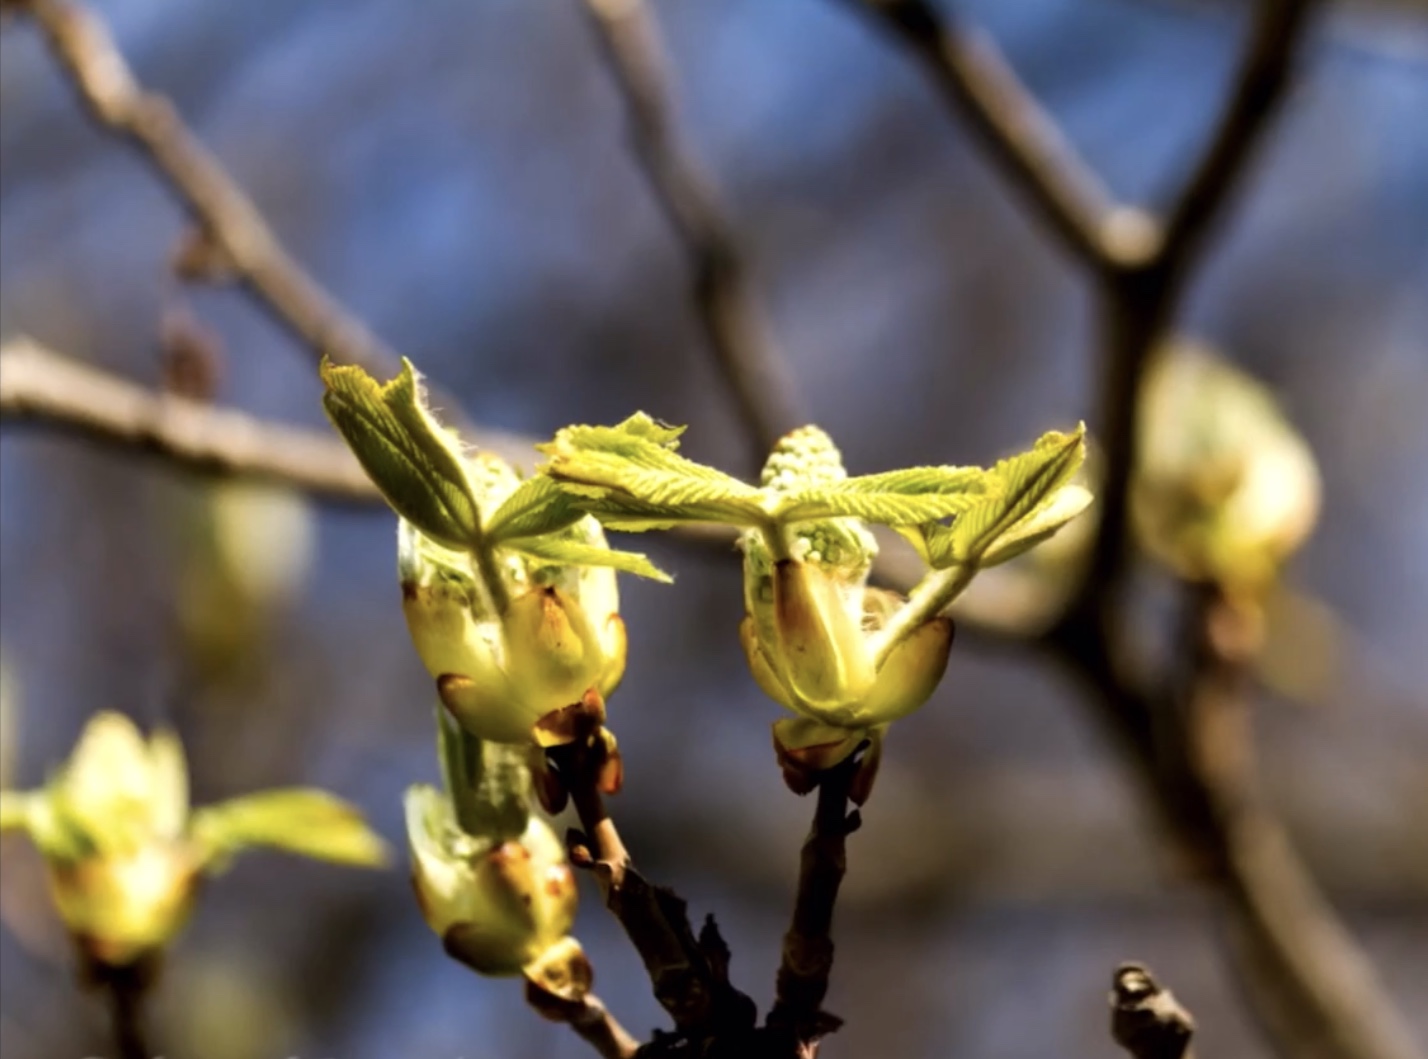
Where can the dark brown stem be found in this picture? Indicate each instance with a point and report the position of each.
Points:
(124, 988)
(1146, 1020)
(86, 52)
(808, 946)
(689, 973)
(736, 330)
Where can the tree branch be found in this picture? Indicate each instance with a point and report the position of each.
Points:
(737, 334)
(689, 974)
(981, 86)
(41, 387)
(240, 238)
(1146, 1020)
(808, 946)
(1314, 986)
(1141, 299)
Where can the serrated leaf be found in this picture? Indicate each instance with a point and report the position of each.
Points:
(412, 459)
(1017, 489)
(561, 552)
(310, 823)
(894, 498)
(1065, 504)
(537, 506)
(631, 474)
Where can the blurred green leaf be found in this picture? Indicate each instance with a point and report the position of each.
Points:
(307, 822)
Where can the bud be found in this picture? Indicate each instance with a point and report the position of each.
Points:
(1225, 487)
(501, 907)
(811, 622)
(499, 674)
(124, 853)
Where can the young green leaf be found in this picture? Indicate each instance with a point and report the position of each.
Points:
(629, 476)
(307, 822)
(894, 498)
(414, 461)
(1065, 504)
(559, 551)
(537, 506)
(1019, 487)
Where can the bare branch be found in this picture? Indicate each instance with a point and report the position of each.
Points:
(1146, 1020)
(1142, 298)
(85, 50)
(752, 365)
(42, 387)
(1314, 985)
(808, 946)
(974, 77)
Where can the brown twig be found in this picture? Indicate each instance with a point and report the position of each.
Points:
(689, 974)
(973, 76)
(590, 1020)
(1146, 1020)
(125, 987)
(85, 50)
(42, 387)
(1141, 298)
(1314, 986)
(807, 961)
(737, 333)
(1144, 266)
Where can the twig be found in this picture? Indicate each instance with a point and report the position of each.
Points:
(590, 1020)
(689, 974)
(1141, 298)
(42, 387)
(85, 50)
(740, 340)
(973, 76)
(1146, 1020)
(1314, 985)
(808, 946)
(124, 987)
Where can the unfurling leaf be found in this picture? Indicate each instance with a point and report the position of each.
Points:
(311, 823)
(631, 478)
(560, 551)
(537, 506)
(415, 461)
(1021, 508)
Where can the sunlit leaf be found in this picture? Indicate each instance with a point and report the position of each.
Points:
(559, 551)
(630, 477)
(414, 461)
(537, 506)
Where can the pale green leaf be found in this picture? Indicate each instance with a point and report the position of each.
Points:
(537, 506)
(897, 498)
(1068, 502)
(632, 475)
(1017, 489)
(311, 823)
(414, 461)
(559, 551)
